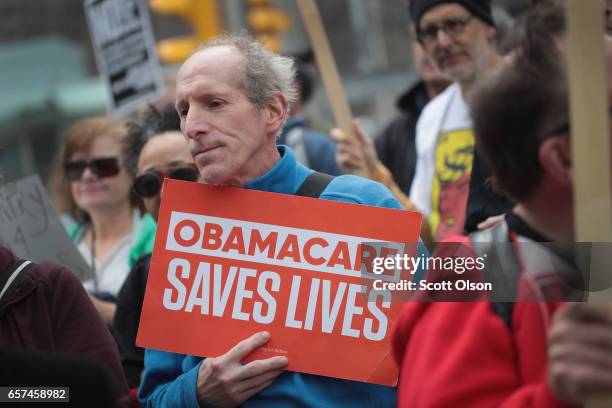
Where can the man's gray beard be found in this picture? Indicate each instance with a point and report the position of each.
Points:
(460, 76)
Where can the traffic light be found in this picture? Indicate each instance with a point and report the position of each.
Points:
(203, 16)
(267, 22)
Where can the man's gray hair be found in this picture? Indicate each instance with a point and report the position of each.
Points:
(266, 73)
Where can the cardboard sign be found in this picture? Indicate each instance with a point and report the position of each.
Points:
(124, 48)
(232, 262)
(30, 227)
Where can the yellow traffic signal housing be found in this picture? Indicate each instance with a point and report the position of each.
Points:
(203, 16)
(267, 22)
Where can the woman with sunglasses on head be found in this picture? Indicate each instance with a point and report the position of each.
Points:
(156, 149)
(96, 190)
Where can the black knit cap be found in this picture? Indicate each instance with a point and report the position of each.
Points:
(479, 8)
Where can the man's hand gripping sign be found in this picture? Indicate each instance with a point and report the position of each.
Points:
(229, 263)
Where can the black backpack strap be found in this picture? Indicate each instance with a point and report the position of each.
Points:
(314, 185)
(503, 268)
(11, 276)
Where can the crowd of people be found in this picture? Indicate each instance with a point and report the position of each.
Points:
(481, 147)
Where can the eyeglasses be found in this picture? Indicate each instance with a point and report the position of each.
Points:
(102, 167)
(147, 185)
(452, 27)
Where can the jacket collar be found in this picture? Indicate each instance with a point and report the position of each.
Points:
(414, 99)
(279, 179)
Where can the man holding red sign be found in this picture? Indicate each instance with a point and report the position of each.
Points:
(233, 97)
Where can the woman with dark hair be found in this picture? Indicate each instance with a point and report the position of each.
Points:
(95, 188)
(156, 149)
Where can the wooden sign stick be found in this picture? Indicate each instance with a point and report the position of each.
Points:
(588, 81)
(327, 66)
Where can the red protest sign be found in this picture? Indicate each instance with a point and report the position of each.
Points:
(231, 262)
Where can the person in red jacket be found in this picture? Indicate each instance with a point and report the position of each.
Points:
(524, 353)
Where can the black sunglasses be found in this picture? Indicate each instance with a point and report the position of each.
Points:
(148, 184)
(102, 167)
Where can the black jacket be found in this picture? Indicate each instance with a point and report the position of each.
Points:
(396, 146)
(127, 318)
(483, 201)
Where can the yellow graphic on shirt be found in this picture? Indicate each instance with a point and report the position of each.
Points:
(451, 183)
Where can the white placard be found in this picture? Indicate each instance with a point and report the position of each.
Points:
(124, 48)
(31, 228)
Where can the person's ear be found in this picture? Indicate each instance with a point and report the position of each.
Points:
(555, 157)
(490, 32)
(276, 112)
